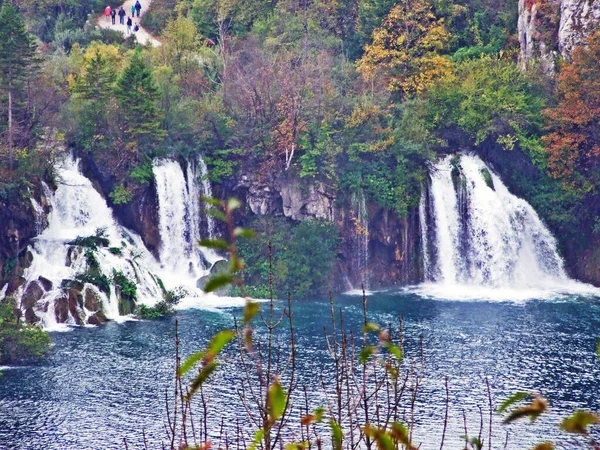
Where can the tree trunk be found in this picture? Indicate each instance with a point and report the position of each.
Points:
(10, 126)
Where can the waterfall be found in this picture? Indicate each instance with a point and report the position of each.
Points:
(207, 192)
(78, 210)
(475, 233)
(73, 283)
(360, 239)
(179, 215)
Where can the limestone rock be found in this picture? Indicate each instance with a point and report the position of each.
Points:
(45, 283)
(537, 29)
(302, 202)
(97, 318)
(578, 18)
(61, 308)
(32, 294)
(91, 300)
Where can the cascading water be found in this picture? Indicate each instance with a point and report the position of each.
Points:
(78, 210)
(207, 192)
(179, 215)
(75, 284)
(360, 239)
(477, 236)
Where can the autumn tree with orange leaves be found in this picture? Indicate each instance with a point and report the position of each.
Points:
(405, 53)
(573, 144)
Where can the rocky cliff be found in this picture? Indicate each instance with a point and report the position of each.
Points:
(549, 29)
(377, 249)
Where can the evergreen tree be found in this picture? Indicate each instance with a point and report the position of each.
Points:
(137, 96)
(17, 57)
(93, 92)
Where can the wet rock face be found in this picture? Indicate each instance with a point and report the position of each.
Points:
(538, 34)
(578, 19)
(549, 29)
(288, 196)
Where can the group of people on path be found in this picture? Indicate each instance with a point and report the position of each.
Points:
(135, 10)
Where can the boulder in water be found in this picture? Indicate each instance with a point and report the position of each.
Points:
(219, 267)
(97, 318)
(61, 308)
(91, 300)
(45, 283)
(32, 294)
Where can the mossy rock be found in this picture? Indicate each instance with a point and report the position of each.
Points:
(97, 318)
(487, 177)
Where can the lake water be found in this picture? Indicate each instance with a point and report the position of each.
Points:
(105, 384)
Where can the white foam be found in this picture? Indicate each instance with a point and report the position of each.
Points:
(358, 292)
(212, 302)
(564, 290)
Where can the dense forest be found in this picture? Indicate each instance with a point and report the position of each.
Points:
(360, 95)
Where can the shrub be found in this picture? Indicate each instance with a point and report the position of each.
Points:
(18, 342)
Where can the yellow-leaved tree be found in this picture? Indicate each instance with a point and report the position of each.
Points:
(405, 53)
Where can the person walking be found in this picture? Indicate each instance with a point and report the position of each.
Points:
(113, 15)
(132, 10)
(122, 15)
(136, 28)
(129, 22)
(138, 7)
(107, 11)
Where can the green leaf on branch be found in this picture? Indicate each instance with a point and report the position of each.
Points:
(336, 434)
(217, 244)
(515, 398)
(533, 410)
(277, 400)
(365, 354)
(250, 310)
(217, 214)
(578, 422)
(219, 341)
(258, 437)
(394, 350)
(371, 327)
(233, 203)
(244, 232)
(216, 345)
(218, 281)
(202, 377)
(212, 201)
(544, 446)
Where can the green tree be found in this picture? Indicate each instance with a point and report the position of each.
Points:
(405, 53)
(19, 342)
(17, 57)
(93, 96)
(137, 97)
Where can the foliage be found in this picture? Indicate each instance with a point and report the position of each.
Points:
(302, 257)
(99, 239)
(488, 98)
(19, 342)
(96, 278)
(160, 310)
(17, 62)
(405, 49)
(121, 195)
(137, 97)
(573, 146)
(126, 288)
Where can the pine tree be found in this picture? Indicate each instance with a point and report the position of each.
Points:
(137, 97)
(17, 57)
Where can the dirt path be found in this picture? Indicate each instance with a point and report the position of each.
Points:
(142, 35)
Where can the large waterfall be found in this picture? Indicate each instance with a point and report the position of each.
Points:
(59, 289)
(480, 240)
